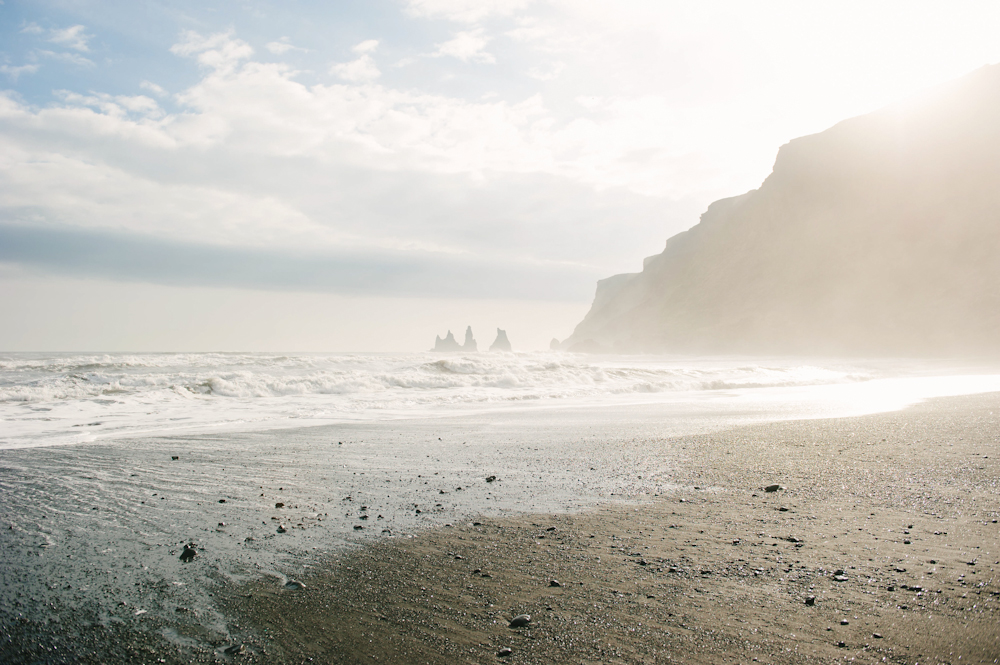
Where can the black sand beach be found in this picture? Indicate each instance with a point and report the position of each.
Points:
(693, 562)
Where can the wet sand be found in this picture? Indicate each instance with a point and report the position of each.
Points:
(694, 562)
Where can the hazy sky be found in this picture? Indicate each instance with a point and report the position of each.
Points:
(363, 175)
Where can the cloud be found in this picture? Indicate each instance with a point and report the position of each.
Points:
(32, 29)
(465, 11)
(153, 88)
(71, 58)
(467, 46)
(220, 51)
(362, 70)
(14, 72)
(282, 47)
(73, 37)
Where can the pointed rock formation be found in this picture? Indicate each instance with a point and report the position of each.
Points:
(447, 344)
(470, 342)
(878, 236)
(501, 343)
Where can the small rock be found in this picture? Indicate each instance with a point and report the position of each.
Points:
(554, 583)
(188, 553)
(490, 479)
(222, 500)
(294, 584)
(279, 505)
(877, 636)
(906, 542)
(844, 622)
(234, 650)
(358, 527)
(458, 557)
(772, 488)
(222, 524)
(281, 529)
(840, 578)
(842, 645)
(520, 621)
(175, 457)
(811, 600)
(506, 651)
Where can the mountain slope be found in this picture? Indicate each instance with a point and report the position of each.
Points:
(880, 235)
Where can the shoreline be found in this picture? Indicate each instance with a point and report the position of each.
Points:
(836, 473)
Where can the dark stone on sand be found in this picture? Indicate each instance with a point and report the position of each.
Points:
(844, 622)
(222, 500)
(490, 479)
(294, 584)
(188, 553)
(520, 621)
(840, 578)
(234, 650)
(358, 527)
(811, 600)
(279, 505)
(506, 651)
(842, 645)
(906, 542)
(772, 488)
(877, 636)
(281, 529)
(554, 583)
(175, 457)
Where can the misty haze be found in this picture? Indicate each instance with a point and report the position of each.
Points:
(328, 336)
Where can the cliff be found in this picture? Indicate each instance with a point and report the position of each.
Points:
(878, 236)
(501, 343)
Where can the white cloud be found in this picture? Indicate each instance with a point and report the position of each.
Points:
(367, 46)
(71, 58)
(547, 72)
(362, 70)
(467, 46)
(466, 11)
(73, 37)
(14, 72)
(32, 29)
(153, 88)
(220, 51)
(282, 47)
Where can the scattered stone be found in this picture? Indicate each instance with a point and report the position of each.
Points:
(490, 479)
(222, 500)
(294, 584)
(844, 622)
(458, 557)
(279, 505)
(772, 488)
(506, 651)
(877, 636)
(189, 553)
(906, 542)
(175, 457)
(222, 524)
(281, 529)
(554, 583)
(234, 650)
(520, 621)
(811, 600)
(358, 527)
(842, 645)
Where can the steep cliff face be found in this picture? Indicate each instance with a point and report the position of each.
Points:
(878, 236)
(501, 343)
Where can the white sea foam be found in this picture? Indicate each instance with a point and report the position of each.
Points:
(65, 398)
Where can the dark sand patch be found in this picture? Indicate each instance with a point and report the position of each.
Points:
(903, 504)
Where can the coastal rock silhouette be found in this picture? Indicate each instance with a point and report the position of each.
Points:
(470, 342)
(447, 344)
(501, 343)
(878, 236)
(450, 344)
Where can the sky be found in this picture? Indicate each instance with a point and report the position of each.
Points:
(288, 175)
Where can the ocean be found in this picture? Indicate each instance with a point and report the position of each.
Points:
(73, 398)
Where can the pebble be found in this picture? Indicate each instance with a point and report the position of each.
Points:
(279, 505)
(294, 584)
(490, 479)
(554, 583)
(506, 651)
(811, 600)
(175, 457)
(233, 650)
(877, 636)
(281, 529)
(520, 621)
(772, 488)
(188, 553)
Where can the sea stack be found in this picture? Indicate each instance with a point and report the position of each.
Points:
(501, 343)
(470, 341)
(447, 344)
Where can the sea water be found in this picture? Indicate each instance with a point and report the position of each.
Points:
(48, 399)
